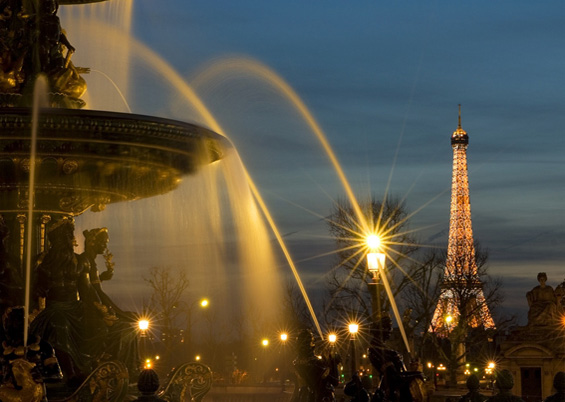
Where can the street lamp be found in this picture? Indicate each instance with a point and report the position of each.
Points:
(143, 325)
(284, 338)
(375, 264)
(353, 329)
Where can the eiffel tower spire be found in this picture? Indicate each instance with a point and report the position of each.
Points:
(461, 287)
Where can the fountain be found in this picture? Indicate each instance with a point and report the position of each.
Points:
(57, 161)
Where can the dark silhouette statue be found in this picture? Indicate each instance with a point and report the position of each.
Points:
(504, 382)
(473, 395)
(317, 378)
(24, 368)
(396, 383)
(559, 385)
(80, 320)
(356, 389)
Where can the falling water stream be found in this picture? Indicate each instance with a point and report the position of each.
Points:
(39, 100)
(108, 33)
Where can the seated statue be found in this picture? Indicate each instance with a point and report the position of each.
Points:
(316, 377)
(559, 385)
(72, 320)
(397, 384)
(122, 340)
(543, 303)
(504, 382)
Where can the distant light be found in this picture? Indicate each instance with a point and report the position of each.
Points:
(491, 365)
(353, 328)
(204, 303)
(332, 338)
(448, 319)
(284, 336)
(265, 342)
(197, 357)
(157, 357)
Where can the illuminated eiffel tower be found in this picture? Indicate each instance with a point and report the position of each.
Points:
(461, 287)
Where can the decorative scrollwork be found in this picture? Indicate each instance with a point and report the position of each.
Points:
(107, 383)
(189, 382)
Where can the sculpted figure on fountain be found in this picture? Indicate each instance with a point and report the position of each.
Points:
(397, 384)
(32, 42)
(317, 378)
(80, 320)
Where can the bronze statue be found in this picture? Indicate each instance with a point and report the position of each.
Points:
(543, 303)
(473, 395)
(397, 384)
(503, 383)
(559, 385)
(72, 320)
(316, 377)
(32, 42)
(24, 368)
(122, 341)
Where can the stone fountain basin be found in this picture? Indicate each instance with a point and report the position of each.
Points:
(88, 159)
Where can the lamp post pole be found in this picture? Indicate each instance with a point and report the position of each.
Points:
(353, 329)
(376, 264)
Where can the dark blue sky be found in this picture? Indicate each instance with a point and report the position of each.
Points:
(383, 79)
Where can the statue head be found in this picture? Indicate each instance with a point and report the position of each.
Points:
(148, 382)
(542, 275)
(305, 342)
(61, 234)
(96, 240)
(504, 380)
(473, 383)
(559, 382)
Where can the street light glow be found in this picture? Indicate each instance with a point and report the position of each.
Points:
(143, 324)
(373, 242)
(353, 328)
(332, 338)
(284, 336)
(265, 342)
(204, 303)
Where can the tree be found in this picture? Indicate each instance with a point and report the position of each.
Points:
(349, 279)
(168, 287)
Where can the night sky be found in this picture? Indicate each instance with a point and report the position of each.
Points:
(383, 80)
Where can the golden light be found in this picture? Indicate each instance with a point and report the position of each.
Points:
(143, 324)
(157, 357)
(332, 338)
(353, 328)
(204, 303)
(448, 319)
(148, 364)
(284, 337)
(265, 342)
(491, 365)
(430, 365)
(197, 357)
(373, 242)
(376, 261)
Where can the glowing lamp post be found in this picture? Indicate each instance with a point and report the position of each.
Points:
(143, 325)
(284, 338)
(353, 329)
(376, 265)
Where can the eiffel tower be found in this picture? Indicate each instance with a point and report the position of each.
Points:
(461, 287)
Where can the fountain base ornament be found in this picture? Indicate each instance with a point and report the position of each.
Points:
(84, 160)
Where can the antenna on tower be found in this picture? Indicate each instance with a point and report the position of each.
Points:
(459, 125)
